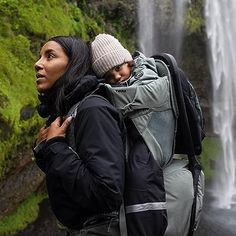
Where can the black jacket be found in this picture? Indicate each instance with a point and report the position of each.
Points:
(91, 180)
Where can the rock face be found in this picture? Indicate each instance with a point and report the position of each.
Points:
(195, 65)
(21, 183)
(45, 225)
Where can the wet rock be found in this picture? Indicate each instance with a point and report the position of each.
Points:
(19, 186)
(216, 221)
(27, 112)
(5, 128)
(45, 225)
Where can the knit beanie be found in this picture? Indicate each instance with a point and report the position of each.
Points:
(107, 52)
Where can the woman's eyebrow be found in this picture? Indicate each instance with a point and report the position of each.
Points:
(49, 50)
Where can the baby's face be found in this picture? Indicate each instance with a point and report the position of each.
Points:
(118, 74)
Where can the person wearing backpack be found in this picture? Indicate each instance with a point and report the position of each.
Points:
(85, 184)
(145, 100)
(162, 109)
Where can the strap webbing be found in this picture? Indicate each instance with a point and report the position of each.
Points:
(122, 221)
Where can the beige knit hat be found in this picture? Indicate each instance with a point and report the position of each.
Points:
(107, 52)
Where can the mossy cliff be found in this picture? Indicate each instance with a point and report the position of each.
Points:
(25, 24)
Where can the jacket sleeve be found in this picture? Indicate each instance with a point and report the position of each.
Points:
(93, 176)
(38, 154)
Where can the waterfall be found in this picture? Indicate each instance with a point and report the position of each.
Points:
(161, 26)
(146, 10)
(221, 32)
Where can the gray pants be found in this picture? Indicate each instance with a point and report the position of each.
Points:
(98, 227)
(179, 197)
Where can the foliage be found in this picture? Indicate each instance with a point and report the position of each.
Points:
(115, 17)
(25, 213)
(16, 76)
(211, 152)
(84, 25)
(194, 17)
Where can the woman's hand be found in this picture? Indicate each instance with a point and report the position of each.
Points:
(56, 129)
(42, 135)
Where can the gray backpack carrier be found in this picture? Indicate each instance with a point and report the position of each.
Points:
(180, 119)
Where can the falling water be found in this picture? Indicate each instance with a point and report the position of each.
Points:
(161, 26)
(221, 31)
(146, 10)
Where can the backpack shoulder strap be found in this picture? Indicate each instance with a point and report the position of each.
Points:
(163, 70)
(122, 220)
(70, 135)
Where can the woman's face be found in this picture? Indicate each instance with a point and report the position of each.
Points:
(50, 66)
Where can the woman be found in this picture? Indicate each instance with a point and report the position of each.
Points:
(85, 185)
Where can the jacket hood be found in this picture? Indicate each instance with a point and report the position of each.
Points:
(81, 89)
(141, 59)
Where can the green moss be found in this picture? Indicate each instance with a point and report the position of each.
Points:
(44, 18)
(26, 24)
(211, 152)
(17, 89)
(26, 213)
(195, 18)
(83, 24)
